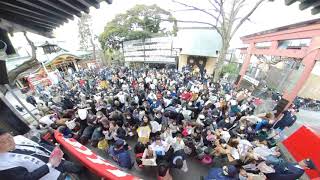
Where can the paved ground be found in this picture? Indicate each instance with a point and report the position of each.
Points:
(307, 118)
(22, 98)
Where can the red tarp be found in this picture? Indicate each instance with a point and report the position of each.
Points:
(93, 162)
(302, 144)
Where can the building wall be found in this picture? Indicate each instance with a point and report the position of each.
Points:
(311, 88)
(152, 50)
(211, 65)
(183, 59)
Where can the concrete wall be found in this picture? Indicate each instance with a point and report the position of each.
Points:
(211, 65)
(183, 60)
(311, 88)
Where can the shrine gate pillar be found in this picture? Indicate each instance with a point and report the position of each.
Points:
(245, 64)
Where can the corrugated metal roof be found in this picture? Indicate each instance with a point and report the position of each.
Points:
(42, 16)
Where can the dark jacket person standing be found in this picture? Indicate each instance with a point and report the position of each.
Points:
(291, 171)
(288, 119)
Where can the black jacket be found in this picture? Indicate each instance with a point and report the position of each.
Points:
(21, 173)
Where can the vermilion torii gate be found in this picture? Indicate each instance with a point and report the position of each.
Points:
(308, 55)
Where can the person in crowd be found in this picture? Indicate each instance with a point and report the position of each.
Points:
(23, 159)
(31, 100)
(144, 130)
(163, 172)
(120, 155)
(179, 161)
(168, 116)
(229, 172)
(287, 119)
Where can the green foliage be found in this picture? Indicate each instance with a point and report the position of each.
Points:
(139, 22)
(112, 56)
(230, 68)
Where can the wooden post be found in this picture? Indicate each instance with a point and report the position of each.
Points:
(246, 63)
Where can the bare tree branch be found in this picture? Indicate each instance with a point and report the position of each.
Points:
(186, 21)
(223, 15)
(217, 10)
(31, 44)
(195, 22)
(195, 8)
(214, 6)
(218, 19)
(246, 17)
(32, 62)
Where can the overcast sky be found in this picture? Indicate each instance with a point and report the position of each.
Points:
(269, 15)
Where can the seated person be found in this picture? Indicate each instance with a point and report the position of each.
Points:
(120, 155)
(179, 161)
(160, 148)
(178, 143)
(139, 151)
(229, 172)
(23, 159)
(163, 172)
(149, 154)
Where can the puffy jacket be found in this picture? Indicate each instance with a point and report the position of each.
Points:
(217, 174)
(122, 157)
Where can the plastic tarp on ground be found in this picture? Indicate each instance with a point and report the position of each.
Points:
(92, 161)
(302, 144)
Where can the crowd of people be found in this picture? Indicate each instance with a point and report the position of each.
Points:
(163, 117)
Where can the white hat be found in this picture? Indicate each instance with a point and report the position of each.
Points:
(201, 116)
(233, 102)
(83, 113)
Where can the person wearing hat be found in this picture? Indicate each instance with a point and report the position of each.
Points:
(23, 159)
(179, 160)
(120, 155)
(229, 172)
(291, 171)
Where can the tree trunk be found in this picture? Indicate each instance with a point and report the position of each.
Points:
(94, 49)
(220, 61)
(13, 74)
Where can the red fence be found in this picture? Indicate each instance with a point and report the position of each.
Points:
(93, 162)
(302, 144)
